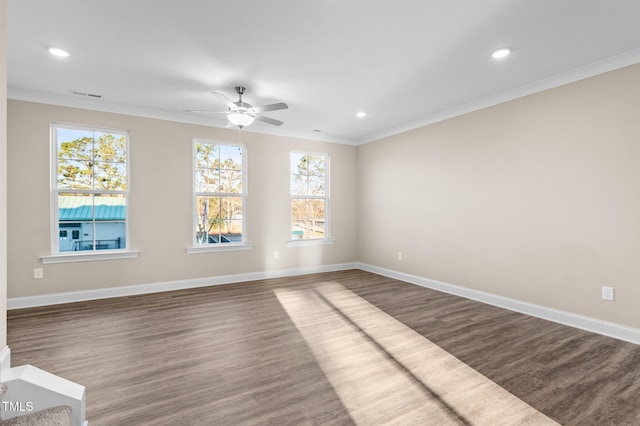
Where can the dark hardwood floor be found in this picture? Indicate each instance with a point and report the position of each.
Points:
(275, 352)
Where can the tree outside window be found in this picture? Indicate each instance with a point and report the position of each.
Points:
(90, 188)
(309, 195)
(219, 176)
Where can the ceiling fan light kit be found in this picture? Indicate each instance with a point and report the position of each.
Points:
(242, 114)
(240, 119)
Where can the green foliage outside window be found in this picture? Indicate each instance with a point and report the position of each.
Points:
(308, 196)
(219, 186)
(95, 162)
(91, 188)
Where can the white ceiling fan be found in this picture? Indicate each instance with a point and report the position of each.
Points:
(242, 114)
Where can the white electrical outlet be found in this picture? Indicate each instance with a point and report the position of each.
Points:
(276, 254)
(38, 273)
(399, 255)
(607, 293)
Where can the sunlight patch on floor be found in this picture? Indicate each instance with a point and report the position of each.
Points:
(386, 373)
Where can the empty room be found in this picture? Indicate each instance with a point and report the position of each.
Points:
(319, 213)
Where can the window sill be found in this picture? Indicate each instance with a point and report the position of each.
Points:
(221, 247)
(90, 256)
(316, 242)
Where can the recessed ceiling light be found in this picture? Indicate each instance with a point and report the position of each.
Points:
(501, 53)
(361, 114)
(58, 52)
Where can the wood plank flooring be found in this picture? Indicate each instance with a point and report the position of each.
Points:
(235, 355)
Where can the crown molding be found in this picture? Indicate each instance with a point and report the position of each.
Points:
(102, 106)
(600, 67)
(631, 57)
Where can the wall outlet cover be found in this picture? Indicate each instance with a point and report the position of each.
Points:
(607, 293)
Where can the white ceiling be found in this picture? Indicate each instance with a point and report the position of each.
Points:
(404, 62)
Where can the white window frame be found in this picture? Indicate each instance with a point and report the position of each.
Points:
(56, 255)
(326, 197)
(216, 247)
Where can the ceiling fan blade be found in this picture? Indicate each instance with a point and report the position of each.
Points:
(268, 120)
(226, 100)
(270, 107)
(205, 110)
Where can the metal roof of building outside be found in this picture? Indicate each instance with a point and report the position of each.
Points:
(80, 208)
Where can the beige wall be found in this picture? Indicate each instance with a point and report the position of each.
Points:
(536, 199)
(160, 204)
(3, 171)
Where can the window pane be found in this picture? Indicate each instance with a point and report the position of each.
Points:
(75, 207)
(199, 180)
(209, 207)
(110, 235)
(207, 180)
(230, 181)
(75, 144)
(110, 176)
(299, 185)
(316, 210)
(69, 234)
(308, 218)
(110, 207)
(110, 148)
(315, 230)
(316, 219)
(231, 207)
(75, 213)
(299, 208)
(230, 157)
(207, 155)
(208, 219)
(231, 231)
(299, 229)
(110, 227)
(316, 165)
(299, 164)
(74, 174)
(316, 185)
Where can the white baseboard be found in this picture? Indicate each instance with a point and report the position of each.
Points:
(610, 329)
(106, 293)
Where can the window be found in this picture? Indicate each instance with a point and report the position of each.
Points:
(219, 193)
(90, 189)
(309, 196)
